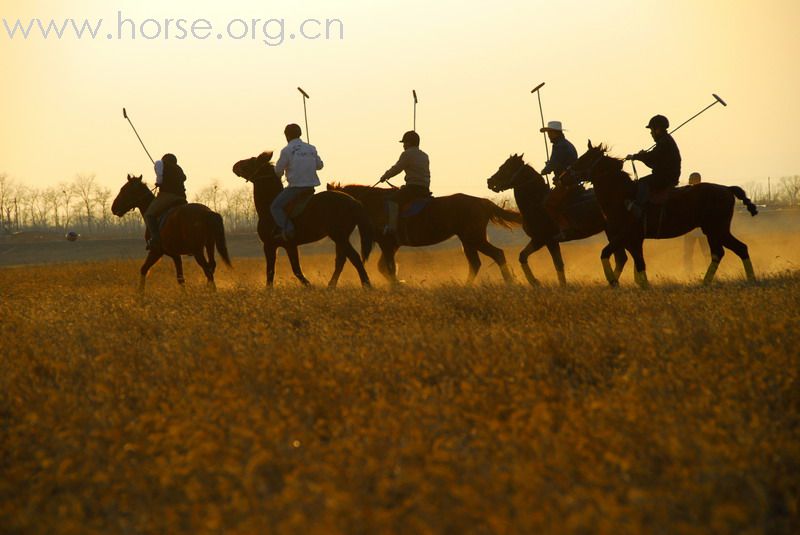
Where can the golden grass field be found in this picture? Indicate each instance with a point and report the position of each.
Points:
(431, 408)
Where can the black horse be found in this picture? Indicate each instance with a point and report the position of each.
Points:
(707, 206)
(530, 190)
(327, 214)
(188, 229)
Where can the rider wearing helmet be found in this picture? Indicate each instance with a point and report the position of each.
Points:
(171, 192)
(664, 160)
(416, 165)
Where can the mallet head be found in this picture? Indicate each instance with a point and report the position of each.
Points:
(414, 92)
(305, 95)
(537, 88)
(124, 113)
(719, 99)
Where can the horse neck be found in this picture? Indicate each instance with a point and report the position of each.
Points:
(146, 201)
(613, 188)
(264, 192)
(530, 182)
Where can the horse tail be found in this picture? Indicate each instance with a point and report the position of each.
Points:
(502, 216)
(366, 230)
(740, 194)
(218, 230)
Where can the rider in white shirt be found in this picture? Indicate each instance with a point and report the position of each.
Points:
(300, 162)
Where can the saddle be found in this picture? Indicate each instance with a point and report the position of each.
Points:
(162, 219)
(415, 207)
(298, 205)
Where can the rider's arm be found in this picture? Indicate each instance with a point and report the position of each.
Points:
(320, 163)
(283, 162)
(159, 168)
(396, 169)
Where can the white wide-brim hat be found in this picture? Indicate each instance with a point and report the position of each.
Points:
(553, 125)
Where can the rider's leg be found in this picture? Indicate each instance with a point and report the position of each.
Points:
(278, 211)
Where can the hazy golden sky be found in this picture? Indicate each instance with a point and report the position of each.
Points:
(608, 67)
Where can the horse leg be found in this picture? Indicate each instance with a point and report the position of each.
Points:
(341, 258)
(717, 252)
(149, 262)
(355, 259)
(640, 274)
(558, 262)
(740, 250)
(497, 254)
(294, 260)
(620, 259)
(605, 255)
(271, 255)
(200, 258)
(523, 260)
(390, 263)
(474, 262)
(179, 270)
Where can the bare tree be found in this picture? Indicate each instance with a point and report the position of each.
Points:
(6, 195)
(84, 187)
(103, 199)
(791, 188)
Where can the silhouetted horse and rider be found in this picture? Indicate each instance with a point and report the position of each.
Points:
(411, 217)
(294, 216)
(174, 227)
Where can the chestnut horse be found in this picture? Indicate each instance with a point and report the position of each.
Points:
(187, 229)
(442, 218)
(327, 214)
(530, 191)
(708, 206)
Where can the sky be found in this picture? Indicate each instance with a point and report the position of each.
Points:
(608, 67)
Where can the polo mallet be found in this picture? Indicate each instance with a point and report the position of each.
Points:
(717, 100)
(125, 114)
(541, 114)
(305, 111)
(416, 101)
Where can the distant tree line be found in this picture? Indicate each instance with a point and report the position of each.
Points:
(84, 206)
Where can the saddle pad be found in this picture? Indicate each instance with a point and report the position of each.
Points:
(415, 207)
(163, 217)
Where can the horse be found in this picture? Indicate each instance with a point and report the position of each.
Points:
(442, 218)
(186, 230)
(530, 191)
(327, 214)
(706, 205)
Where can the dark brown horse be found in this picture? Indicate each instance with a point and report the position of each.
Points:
(708, 206)
(187, 230)
(444, 217)
(530, 191)
(327, 214)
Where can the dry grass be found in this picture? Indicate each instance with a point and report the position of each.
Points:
(438, 409)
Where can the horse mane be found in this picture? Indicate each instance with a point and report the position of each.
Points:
(604, 149)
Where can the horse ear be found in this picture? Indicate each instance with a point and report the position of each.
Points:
(590, 145)
(138, 178)
(129, 177)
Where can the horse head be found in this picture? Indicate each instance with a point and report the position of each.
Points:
(513, 172)
(256, 169)
(595, 164)
(130, 196)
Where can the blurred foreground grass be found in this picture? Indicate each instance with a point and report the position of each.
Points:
(433, 408)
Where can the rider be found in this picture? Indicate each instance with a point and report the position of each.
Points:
(562, 156)
(171, 191)
(416, 165)
(664, 160)
(300, 161)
